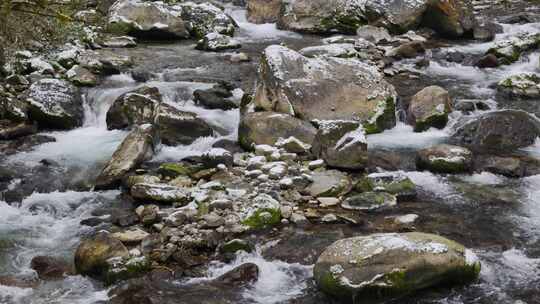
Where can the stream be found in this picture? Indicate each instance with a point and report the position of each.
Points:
(497, 217)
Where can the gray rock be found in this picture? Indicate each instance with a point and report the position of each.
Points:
(161, 193)
(81, 76)
(341, 144)
(137, 146)
(499, 130)
(330, 183)
(217, 42)
(267, 127)
(55, 104)
(369, 201)
(373, 34)
(178, 127)
(523, 85)
(429, 108)
(137, 107)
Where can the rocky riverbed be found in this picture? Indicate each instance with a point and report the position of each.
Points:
(269, 151)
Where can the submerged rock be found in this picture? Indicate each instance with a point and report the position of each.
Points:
(445, 159)
(55, 104)
(268, 127)
(312, 88)
(380, 267)
(49, 268)
(429, 108)
(240, 276)
(137, 146)
(499, 130)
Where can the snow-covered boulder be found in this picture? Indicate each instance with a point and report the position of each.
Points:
(313, 88)
(55, 104)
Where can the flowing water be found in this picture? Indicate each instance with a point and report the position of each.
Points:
(46, 218)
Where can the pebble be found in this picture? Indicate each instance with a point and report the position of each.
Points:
(328, 201)
(319, 163)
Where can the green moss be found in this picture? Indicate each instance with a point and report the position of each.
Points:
(173, 170)
(384, 121)
(438, 121)
(235, 245)
(256, 221)
(119, 28)
(329, 284)
(364, 185)
(131, 268)
(442, 166)
(399, 187)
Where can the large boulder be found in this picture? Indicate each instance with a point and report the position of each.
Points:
(178, 127)
(380, 267)
(429, 108)
(55, 104)
(313, 88)
(259, 128)
(499, 130)
(263, 11)
(137, 146)
(137, 107)
(158, 20)
(452, 18)
(155, 20)
(341, 144)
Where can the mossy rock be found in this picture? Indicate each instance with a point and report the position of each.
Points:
(437, 120)
(385, 119)
(235, 245)
(173, 170)
(123, 269)
(380, 267)
(263, 218)
(395, 183)
(369, 201)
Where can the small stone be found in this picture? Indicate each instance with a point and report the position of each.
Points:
(299, 219)
(286, 211)
(316, 164)
(329, 218)
(130, 236)
(286, 183)
(328, 201)
(256, 162)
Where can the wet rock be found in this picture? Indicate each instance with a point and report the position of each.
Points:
(509, 51)
(407, 50)
(229, 145)
(396, 183)
(215, 156)
(486, 31)
(429, 108)
(311, 89)
(9, 130)
(235, 245)
(488, 61)
(510, 166)
(143, 178)
(373, 34)
(207, 18)
(263, 11)
(330, 183)
(445, 159)
(392, 265)
(452, 18)
(49, 268)
(267, 127)
(148, 214)
(293, 145)
(137, 107)
(19, 82)
(24, 144)
(341, 144)
(470, 105)
(240, 276)
(217, 97)
(500, 130)
(92, 255)
(524, 85)
(81, 76)
(136, 147)
(161, 193)
(215, 42)
(369, 201)
(178, 127)
(120, 42)
(55, 104)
